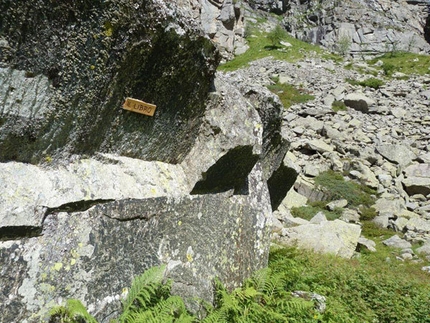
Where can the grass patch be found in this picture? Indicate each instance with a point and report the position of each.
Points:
(368, 289)
(404, 62)
(308, 211)
(261, 46)
(372, 82)
(364, 289)
(289, 94)
(338, 106)
(338, 188)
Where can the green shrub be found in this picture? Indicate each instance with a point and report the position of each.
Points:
(338, 106)
(388, 69)
(367, 213)
(343, 44)
(289, 94)
(370, 82)
(333, 184)
(307, 212)
(276, 35)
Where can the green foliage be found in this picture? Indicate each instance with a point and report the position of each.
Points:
(276, 35)
(307, 212)
(338, 106)
(72, 312)
(263, 298)
(404, 62)
(367, 213)
(370, 82)
(366, 289)
(343, 45)
(337, 187)
(260, 46)
(289, 94)
(149, 300)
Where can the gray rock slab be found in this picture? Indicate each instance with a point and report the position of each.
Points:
(399, 154)
(397, 242)
(366, 243)
(120, 239)
(318, 145)
(417, 185)
(335, 237)
(418, 225)
(359, 102)
(424, 249)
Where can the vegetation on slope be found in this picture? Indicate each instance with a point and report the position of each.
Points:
(336, 187)
(263, 44)
(404, 62)
(289, 94)
(372, 288)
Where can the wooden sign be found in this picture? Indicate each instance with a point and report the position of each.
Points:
(138, 106)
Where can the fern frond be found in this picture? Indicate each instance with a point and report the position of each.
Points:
(294, 306)
(144, 287)
(246, 295)
(216, 316)
(259, 278)
(73, 311)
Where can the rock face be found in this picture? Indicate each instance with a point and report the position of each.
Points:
(223, 22)
(334, 237)
(92, 195)
(354, 26)
(98, 54)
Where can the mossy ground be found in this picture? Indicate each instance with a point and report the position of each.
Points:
(404, 62)
(289, 94)
(261, 46)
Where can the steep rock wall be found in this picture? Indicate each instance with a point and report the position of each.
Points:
(92, 195)
(81, 59)
(369, 27)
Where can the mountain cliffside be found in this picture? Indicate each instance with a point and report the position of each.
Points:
(371, 27)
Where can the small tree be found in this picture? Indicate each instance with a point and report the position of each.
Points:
(343, 44)
(276, 35)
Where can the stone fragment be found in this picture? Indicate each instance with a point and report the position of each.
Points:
(359, 102)
(388, 206)
(418, 225)
(397, 242)
(417, 185)
(424, 249)
(318, 218)
(350, 216)
(366, 243)
(396, 153)
(337, 204)
(335, 237)
(399, 224)
(318, 145)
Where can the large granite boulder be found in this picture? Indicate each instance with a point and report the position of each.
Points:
(92, 195)
(66, 74)
(334, 237)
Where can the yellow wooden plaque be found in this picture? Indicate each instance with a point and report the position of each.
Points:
(138, 106)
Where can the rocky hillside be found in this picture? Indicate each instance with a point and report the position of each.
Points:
(93, 195)
(381, 139)
(369, 27)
